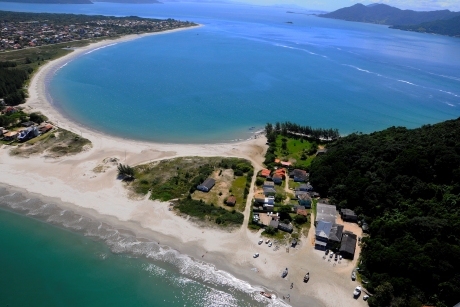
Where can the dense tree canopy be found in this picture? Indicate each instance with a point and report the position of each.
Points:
(405, 184)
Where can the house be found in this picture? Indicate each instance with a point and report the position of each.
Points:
(265, 173)
(231, 201)
(348, 215)
(321, 152)
(269, 191)
(27, 124)
(10, 110)
(305, 187)
(335, 236)
(45, 128)
(304, 200)
(295, 208)
(269, 207)
(28, 134)
(299, 175)
(326, 213)
(299, 193)
(314, 194)
(268, 184)
(207, 185)
(286, 164)
(348, 245)
(277, 160)
(285, 227)
(10, 136)
(274, 223)
(322, 231)
(302, 212)
(281, 172)
(277, 179)
(261, 199)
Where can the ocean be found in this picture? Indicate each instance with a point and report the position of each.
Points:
(248, 66)
(54, 257)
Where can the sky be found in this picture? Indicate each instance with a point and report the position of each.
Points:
(330, 5)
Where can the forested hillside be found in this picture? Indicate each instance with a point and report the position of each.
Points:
(388, 15)
(11, 83)
(406, 185)
(449, 27)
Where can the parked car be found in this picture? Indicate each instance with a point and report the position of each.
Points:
(327, 252)
(270, 244)
(340, 257)
(255, 255)
(353, 275)
(268, 241)
(331, 255)
(357, 291)
(260, 241)
(336, 256)
(365, 297)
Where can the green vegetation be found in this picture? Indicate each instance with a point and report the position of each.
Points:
(406, 185)
(203, 211)
(125, 171)
(388, 15)
(54, 144)
(177, 179)
(295, 143)
(449, 27)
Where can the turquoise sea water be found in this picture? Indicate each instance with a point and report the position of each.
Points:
(53, 257)
(247, 66)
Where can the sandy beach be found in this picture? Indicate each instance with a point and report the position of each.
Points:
(72, 182)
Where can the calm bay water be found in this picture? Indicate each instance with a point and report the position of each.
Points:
(247, 66)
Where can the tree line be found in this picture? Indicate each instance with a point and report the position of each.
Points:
(293, 129)
(406, 185)
(12, 82)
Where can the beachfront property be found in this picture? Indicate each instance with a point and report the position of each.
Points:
(265, 173)
(207, 185)
(28, 134)
(325, 213)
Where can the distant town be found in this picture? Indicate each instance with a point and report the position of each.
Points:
(24, 30)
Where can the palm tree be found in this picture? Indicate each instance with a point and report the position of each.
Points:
(126, 171)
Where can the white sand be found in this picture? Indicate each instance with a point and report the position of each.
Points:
(99, 195)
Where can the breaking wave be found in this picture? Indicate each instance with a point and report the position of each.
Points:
(222, 285)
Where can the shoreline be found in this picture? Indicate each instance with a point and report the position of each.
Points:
(71, 181)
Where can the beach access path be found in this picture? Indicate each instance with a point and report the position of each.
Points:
(74, 184)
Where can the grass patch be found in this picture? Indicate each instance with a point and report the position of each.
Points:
(299, 150)
(205, 212)
(238, 186)
(176, 178)
(55, 144)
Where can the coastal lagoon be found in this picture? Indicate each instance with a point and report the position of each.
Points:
(251, 65)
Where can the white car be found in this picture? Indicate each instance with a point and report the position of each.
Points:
(255, 255)
(270, 244)
(357, 291)
(260, 241)
(365, 297)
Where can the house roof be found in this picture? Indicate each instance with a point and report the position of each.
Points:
(265, 172)
(11, 133)
(348, 244)
(303, 196)
(231, 200)
(283, 163)
(302, 212)
(323, 229)
(277, 176)
(209, 183)
(269, 184)
(347, 212)
(336, 233)
(285, 227)
(325, 213)
(274, 223)
(269, 190)
(277, 160)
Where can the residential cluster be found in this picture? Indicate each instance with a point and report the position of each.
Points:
(27, 131)
(264, 211)
(19, 35)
